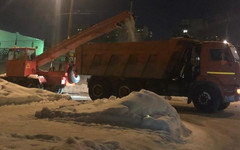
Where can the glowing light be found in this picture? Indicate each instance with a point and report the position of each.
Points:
(225, 41)
(185, 31)
(238, 91)
(63, 81)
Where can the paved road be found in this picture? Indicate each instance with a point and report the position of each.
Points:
(221, 129)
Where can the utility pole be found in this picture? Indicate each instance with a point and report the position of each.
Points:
(70, 19)
(131, 6)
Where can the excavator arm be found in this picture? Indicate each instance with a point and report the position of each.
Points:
(81, 38)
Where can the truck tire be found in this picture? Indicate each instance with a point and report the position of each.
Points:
(224, 105)
(72, 76)
(98, 88)
(125, 88)
(33, 83)
(206, 98)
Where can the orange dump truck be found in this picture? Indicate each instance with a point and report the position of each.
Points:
(208, 73)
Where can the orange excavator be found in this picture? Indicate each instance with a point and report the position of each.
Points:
(23, 64)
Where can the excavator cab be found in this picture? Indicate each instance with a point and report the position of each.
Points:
(21, 62)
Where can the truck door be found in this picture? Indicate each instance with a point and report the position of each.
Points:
(190, 67)
(16, 62)
(218, 64)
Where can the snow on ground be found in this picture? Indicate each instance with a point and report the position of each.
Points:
(142, 120)
(21, 130)
(14, 94)
(142, 109)
(142, 116)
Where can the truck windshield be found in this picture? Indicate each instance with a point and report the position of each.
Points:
(19, 54)
(10, 54)
(30, 54)
(234, 53)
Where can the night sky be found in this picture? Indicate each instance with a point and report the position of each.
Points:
(45, 19)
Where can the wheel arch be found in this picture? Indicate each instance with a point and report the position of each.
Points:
(194, 85)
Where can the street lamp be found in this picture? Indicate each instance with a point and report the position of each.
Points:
(131, 6)
(70, 18)
(185, 31)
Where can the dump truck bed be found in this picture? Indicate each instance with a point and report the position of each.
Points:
(152, 59)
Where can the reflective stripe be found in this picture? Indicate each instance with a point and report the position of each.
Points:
(223, 73)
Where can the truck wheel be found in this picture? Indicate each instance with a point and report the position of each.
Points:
(206, 98)
(33, 84)
(125, 89)
(72, 75)
(98, 88)
(223, 105)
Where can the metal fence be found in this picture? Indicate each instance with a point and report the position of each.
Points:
(3, 53)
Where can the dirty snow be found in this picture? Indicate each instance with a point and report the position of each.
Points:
(11, 93)
(142, 120)
(142, 109)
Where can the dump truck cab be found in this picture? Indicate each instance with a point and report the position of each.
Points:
(220, 65)
(217, 83)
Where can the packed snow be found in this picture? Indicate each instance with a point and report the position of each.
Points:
(11, 93)
(142, 109)
(38, 119)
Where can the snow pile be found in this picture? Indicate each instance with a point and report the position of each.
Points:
(142, 109)
(78, 143)
(151, 111)
(11, 93)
